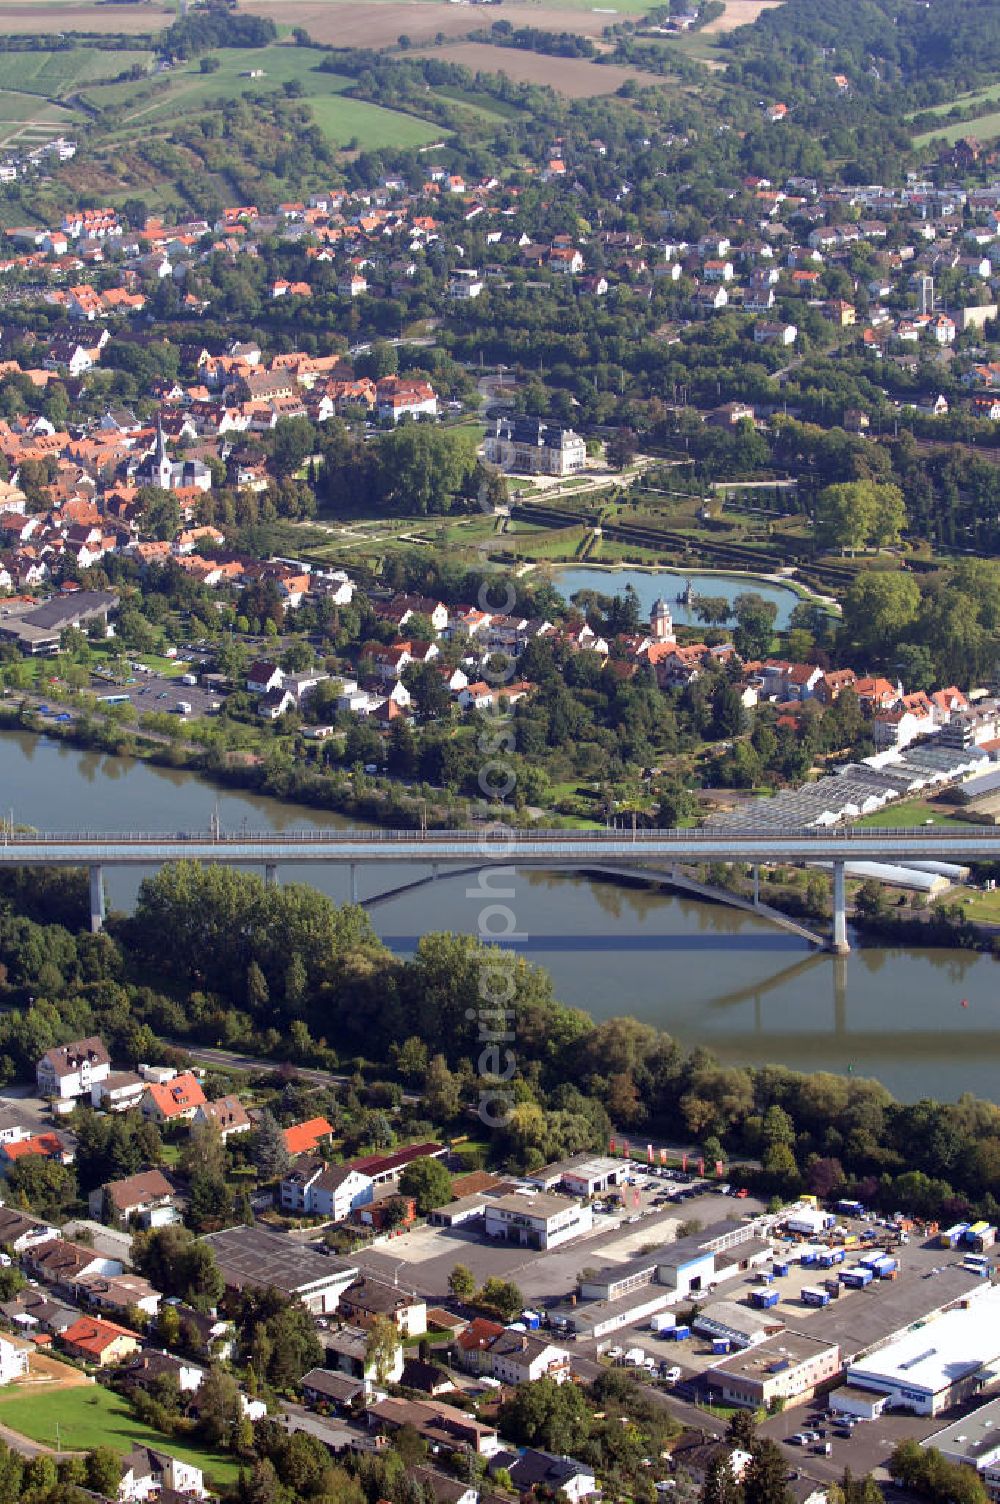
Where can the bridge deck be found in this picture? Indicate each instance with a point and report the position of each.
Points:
(519, 848)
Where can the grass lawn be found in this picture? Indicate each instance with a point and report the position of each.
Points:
(93, 1417)
(909, 812)
(983, 126)
(150, 103)
(984, 907)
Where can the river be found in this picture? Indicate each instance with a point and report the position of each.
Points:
(709, 975)
(651, 583)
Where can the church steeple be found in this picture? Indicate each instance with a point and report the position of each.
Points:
(162, 464)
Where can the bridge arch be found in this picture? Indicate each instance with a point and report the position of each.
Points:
(648, 876)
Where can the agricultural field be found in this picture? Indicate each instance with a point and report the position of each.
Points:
(56, 74)
(149, 103)
(576, 77)
(41, 16)
(738, 13)
(79, 1419)
(984, 126)
(31, 121)
(379, 23)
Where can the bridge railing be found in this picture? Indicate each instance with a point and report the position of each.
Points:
(487, 836)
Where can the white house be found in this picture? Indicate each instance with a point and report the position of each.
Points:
(147, 1473)
(72, 1070)
(14, 1357)
(321, 1190)
(523, 1358)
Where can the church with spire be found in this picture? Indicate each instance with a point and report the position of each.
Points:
(158, 469)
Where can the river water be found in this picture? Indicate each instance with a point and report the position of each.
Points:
(651, 583)
(707, 974)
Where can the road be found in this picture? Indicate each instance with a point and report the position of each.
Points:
(233, 1060)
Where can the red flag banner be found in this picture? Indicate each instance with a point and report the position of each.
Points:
(718, 1169)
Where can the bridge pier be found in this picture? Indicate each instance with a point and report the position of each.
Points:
(354, 881)
(839, 945)
(756, 886)
(96, 899)
(270, 874)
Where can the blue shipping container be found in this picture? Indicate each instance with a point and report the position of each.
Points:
(680, 1332)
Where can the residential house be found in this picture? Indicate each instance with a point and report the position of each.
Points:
(531, 1470)
(321, 1190)
(43, 1145)
(439, 1424)
(15, 1354)
(524, 1357)
(148, 1474)
(172, 1101)
(347, 1352)
(71, 1070)
(472, 1347)
(369, 1298)
(305, 1138)
(60, 1263)
(118, 1091)
(149, 1199)
(227, 1114)
(101, 1342)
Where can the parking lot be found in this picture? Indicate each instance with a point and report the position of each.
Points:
(426, 1257)
(864, 1451)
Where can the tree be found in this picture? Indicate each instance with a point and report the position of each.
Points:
(173, 1260)
(869, 900)
(764, 1480)
(754, 624)
(219, 1407)
(442, 1091)
(428, 1182)
(271, 1155)
(502, 1297)
(620, 449)
(742, 1429)
(720, 1486)
(381, 1348)
(555, 1417)
(462, 1282)
(878, 609)
(104, 1471)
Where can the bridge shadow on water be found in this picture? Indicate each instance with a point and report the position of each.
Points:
(558, 944)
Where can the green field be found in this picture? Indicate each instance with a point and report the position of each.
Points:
(484, 105)
(984, 126)
(154, 102)
(341, 120)
(94, 1417)
(909, 812)
(55, 74)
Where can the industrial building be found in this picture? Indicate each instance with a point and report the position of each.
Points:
(540, 1221)
(583, 1175)
(974, 1441)
(256, 1256)
(937, 1365)
(788, 1367)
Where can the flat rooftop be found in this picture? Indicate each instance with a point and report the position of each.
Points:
(935, 1356)
(542, 1205)
(258, 1256)
(861, 1319)
(975, 1436)
(773, 1356)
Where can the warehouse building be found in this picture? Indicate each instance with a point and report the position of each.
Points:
(788, 1367)
(583, 1175)
(974, 1441)
(937, 1365)
(540, 1221)
(257, 1257)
